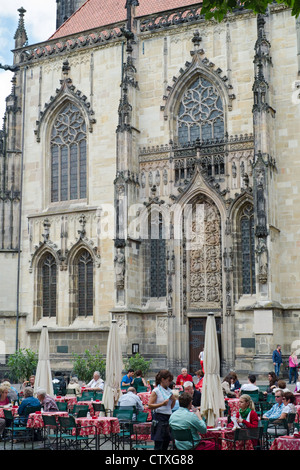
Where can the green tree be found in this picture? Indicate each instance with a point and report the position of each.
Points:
(137, 362)
(85, 366)
(22, 364)
(219, 8)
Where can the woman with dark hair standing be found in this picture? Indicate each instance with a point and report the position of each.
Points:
(161, 402)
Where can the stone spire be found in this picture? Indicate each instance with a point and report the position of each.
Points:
(20, 36)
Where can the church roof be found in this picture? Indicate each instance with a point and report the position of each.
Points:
(97, 13)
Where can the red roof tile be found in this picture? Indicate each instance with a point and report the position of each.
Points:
(98, 13)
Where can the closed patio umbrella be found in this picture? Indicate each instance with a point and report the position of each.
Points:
(212, 400)
(43, 377)
(114, 367)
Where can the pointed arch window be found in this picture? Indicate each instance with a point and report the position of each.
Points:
(48, 272)
(201, 114)
(85, 284)
(68, 155)
(157, 255)
(248, 250)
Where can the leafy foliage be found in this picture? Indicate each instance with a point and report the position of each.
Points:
(22, 364)
(85, 366)
(137, 362)
(217, 9)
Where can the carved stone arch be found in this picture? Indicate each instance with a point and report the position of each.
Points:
(198, 67)
(66, 93)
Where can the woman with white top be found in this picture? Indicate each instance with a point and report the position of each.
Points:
(161, 402)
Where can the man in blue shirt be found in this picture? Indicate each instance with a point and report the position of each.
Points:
(275, 411)
(183, 418)
(277, 359)
(29, 400)
(128, 378)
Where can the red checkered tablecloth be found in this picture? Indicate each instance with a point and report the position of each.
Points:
(12, 409)
(221, 434)
(91, 426)
(35, 420)
(286, 443)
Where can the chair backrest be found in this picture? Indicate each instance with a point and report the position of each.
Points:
(83, 410)
(182, 435)
(70, 391)
(98, 396)
(86, 395)
(141, 417)
(99, 407)
(245, 434)
(32, 409)
(67, 422)
(49, 420)
(62, 405)
(271, 398)
(122, 414)
(141, 389)
(8, 415)
(254, 395)
(291, 418)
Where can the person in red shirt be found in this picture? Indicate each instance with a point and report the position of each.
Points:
(183, 377)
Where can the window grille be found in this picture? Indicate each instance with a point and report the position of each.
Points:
(248, 251)
(68, 155)
(201, 113)
(85, 284)
(49, 286)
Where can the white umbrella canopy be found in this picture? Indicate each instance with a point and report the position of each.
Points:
(212, 400)
(114, 367)
(43, 376)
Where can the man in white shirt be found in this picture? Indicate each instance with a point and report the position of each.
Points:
(250, 386)
(131, 399)
(96, 383)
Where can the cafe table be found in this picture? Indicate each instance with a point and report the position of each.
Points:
(35, 420)
(13, 409)
(70, 399)
(226, 433)
(286, 443)
(107, 426)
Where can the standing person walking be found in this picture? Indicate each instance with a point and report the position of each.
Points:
(277, 359)
(293, 364)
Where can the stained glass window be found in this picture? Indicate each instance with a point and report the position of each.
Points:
(201, 113)
(49, 286)
(85, 284)
(68, 155)
(248, 251)
(157, 257)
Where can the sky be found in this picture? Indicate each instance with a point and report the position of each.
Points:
(40, 22)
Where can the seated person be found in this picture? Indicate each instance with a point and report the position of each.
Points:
(128, 378)
(139, 380)
(195, 394)
(288, 401)
(226, 387)
(250, 386)
(131, 399)
(281, 386)
(4, 400)
(12, 392)
(235, 384)
(28, 383)
(48, 403)
(246, 416)
(183, 377)
(29, 400)
(96, 383)
(60, 383)
(276, 410)
(74, 386)
(184, 419)
(200, 376)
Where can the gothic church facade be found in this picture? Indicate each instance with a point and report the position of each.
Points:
(150, 173)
